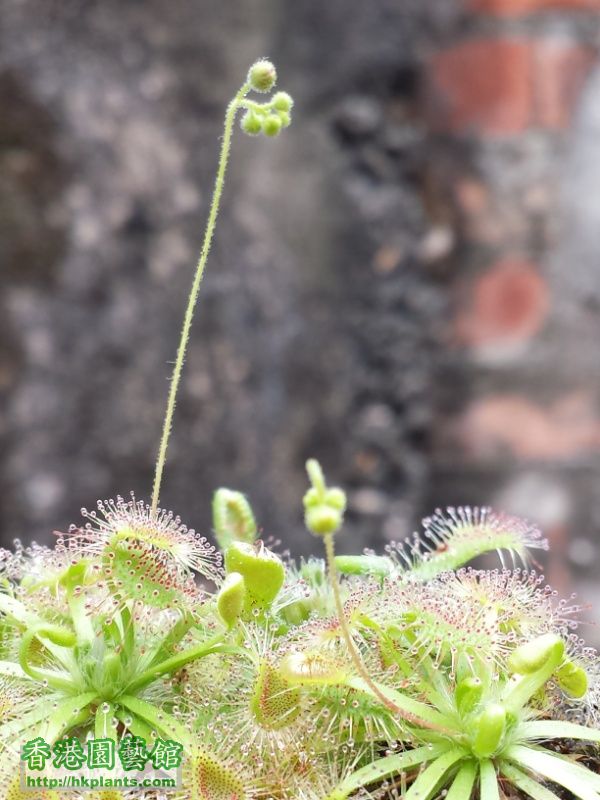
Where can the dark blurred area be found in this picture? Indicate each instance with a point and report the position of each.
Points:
(405, 284)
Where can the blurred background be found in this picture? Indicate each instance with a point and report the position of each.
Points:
(405, 284)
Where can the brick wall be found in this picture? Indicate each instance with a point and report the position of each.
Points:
(511, 99)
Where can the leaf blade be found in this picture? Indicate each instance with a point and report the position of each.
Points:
(383, 767)
(462, 786)
(488, 781)
(428, 782)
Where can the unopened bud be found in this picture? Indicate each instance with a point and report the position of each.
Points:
(282, 102)
(271, 125)
(251, 124)
(284, 118)
(323, 508)
(262, 76)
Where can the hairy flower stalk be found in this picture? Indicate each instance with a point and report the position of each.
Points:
(405, 675)
(261, 77)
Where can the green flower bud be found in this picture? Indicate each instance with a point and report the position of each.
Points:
(262, 76)
(271, 125)
(284, 118)
(572, 679)
(533, 655)
(468, 694)
(233, 520)
(322, 520)
(312, 498)
(282, 101)
(490, 730)
(336, 498)
(251, 124)
(231, 598)
(262, 570)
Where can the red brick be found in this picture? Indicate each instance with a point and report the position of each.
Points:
(483, 84)
(511, 8)
(503, 86)
(508, 304)
(510, 423)
(560, 72)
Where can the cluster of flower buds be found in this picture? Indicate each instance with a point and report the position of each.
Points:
(323, 507)
(269, 117)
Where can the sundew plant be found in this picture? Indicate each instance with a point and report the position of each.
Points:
(402, 675)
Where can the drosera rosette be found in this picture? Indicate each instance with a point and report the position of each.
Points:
(485, 719)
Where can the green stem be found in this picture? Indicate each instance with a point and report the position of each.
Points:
(317, 479)
(193, 298)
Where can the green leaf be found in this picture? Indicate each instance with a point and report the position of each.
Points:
(429, 781)
(67, 715)
(421, 713)
(527, 784)
(381, 566)
(179, 660)
(233, 520)
(383, 767)
(159, 719)
(135, 725)
(551, 729)
(518, 692)
(578, 780)
(16, 726)
(462, 785)
(488, 781)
